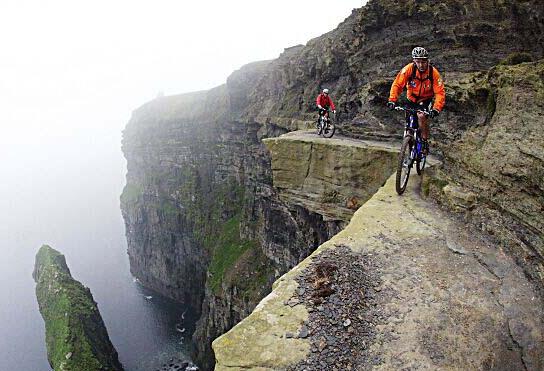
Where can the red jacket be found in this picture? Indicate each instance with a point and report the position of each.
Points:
(324, 101)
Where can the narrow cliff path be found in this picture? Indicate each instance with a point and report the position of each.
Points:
(403, 286)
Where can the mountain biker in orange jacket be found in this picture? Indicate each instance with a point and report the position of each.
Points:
(423, 83)
(323, 102)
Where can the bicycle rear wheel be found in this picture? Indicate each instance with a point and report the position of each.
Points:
(404, 165)
(328, 129)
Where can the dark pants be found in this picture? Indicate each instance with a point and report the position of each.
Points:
(323, 111)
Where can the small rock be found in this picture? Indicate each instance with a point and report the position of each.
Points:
(347, 322)
(68, 355)
(303, 332)
(292, 302)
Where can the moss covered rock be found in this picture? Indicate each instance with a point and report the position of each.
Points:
(76, 336)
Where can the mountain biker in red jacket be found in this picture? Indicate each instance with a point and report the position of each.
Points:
(324, 102)
(423, 83)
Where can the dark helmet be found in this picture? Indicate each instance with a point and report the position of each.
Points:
(419, 53)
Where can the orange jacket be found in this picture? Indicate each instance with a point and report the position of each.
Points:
(419, 89)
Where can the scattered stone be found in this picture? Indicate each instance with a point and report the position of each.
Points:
(338, 287)
(303, 332)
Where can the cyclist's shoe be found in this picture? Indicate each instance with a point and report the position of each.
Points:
(425, 149)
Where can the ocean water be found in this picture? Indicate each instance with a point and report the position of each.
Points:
(65, 192)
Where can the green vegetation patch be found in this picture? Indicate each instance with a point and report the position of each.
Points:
(517, 58)
(131, 192)
(228, 247)
(252, 274)
(432, 184)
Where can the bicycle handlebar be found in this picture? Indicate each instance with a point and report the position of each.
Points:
(327, 110)
(412, 110)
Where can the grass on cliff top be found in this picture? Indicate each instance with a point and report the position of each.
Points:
(227, 249)
(131, 192)
(64, 304)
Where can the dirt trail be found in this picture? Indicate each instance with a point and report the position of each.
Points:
(451, 299)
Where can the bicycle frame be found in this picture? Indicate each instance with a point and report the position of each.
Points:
(411, 150)
(412, 129)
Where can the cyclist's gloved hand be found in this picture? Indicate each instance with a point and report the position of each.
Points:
(391, 105)
(434, 113)
(334, 111)
(318, 106)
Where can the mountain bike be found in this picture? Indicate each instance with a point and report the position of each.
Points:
(411, 150)
(325, 124)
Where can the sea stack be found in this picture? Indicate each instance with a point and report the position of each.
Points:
(76, 336)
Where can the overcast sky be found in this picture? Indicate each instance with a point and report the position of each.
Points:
(75, 65)
(71, 72)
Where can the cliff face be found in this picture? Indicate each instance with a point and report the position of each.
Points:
(76, 336)
(492, 175)
(331, 177)
(205, 224)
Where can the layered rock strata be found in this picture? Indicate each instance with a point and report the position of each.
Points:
(203, 222)
(198, 172)
(75, 334)
(332, 177)
(493, 173)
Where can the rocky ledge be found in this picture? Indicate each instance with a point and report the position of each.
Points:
(76, 336)
(330, 177)
(404, 285)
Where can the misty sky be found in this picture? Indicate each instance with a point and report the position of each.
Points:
(70, 65)
(71, 72)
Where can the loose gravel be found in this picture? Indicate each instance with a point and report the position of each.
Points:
(339, 288)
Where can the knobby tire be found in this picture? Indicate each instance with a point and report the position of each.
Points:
(404, 154)
(328, 130)
(319, 126)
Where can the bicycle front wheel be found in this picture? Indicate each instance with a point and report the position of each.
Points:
(328, 129)
(320, 124)
(404, 165)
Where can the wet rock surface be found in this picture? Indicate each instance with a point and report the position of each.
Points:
(339, 289)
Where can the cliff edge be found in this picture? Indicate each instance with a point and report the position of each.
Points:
(404, 285)
(76, 336)
(209, 221)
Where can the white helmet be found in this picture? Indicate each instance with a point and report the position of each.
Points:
(325, 91)
(419, 53)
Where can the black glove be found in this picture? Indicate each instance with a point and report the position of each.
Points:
(391, 105)
(434, 113)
